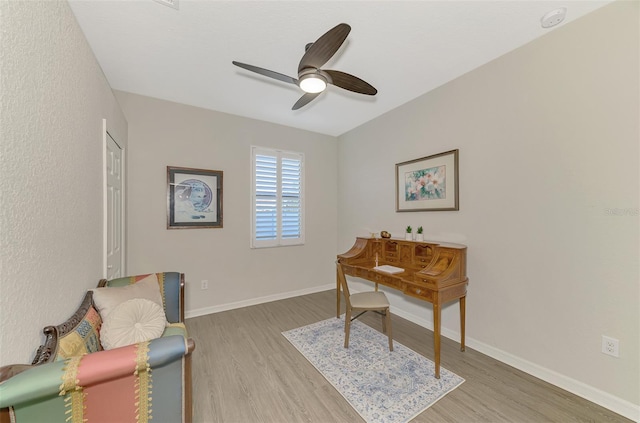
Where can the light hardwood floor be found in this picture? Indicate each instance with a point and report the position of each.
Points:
(245, 371)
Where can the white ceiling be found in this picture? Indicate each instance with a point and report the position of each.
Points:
(403, 48)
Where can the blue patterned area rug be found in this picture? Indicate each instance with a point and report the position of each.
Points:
(382, 386)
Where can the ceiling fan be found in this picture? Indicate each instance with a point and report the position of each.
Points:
(313, 80)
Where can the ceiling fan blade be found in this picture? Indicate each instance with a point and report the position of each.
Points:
(266, 72)
(351, 83)
(304, 100)
(324, 47)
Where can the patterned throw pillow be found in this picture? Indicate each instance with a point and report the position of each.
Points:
(83, 339)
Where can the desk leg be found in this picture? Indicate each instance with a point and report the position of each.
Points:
(463, 301)
(436, 337)
(337, 297)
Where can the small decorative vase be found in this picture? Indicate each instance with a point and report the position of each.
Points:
(408, 236)
(419, 237)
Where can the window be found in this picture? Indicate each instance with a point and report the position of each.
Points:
(277, 198)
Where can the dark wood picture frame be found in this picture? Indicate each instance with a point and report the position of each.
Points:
(194, 198)
(428, 183)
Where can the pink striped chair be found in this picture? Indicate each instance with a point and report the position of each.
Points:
(72, 379)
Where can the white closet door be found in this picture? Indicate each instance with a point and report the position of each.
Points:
(114, 209)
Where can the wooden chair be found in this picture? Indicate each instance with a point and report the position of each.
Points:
(362, 302)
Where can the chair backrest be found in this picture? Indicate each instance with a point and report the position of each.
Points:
(343, 283)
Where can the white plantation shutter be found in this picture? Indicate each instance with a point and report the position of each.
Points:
(266, 197)
(277, 198)
(291, 199)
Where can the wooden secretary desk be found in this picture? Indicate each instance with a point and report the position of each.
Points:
(430, 271)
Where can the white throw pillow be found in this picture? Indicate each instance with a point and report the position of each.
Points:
(131, 322)
(107, 299)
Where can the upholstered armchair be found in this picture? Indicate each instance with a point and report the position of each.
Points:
(72, 378)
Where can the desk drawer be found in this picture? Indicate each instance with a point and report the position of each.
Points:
(361, 272)
(419, 292)
(386, 280)
(424, 280)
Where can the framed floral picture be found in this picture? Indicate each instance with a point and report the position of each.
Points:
(194, 198)
(428, 184)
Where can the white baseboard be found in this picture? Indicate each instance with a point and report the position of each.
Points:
(255, 301)
(604, 399)
(597, 396)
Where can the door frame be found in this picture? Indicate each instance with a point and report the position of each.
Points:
(105, 215)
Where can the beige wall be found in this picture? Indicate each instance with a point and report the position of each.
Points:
(164, 134)
(54, 97)
(548, 137)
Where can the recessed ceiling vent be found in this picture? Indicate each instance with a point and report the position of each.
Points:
(552, 18)
(170, 3)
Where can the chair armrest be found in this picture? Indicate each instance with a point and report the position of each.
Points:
(7, 372)
(42, 383)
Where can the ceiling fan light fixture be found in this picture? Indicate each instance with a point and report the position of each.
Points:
(313, 83)
(311, 78)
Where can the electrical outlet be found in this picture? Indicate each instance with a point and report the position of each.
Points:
(610, 346)
(204, 284)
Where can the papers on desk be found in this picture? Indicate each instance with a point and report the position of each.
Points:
(389, 269)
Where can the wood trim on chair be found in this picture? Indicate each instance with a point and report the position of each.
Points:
(182, 284)
(188, 383)
(47, 352)
(5, 416)
(9, 371)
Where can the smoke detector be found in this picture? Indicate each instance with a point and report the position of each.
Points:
(553, 18)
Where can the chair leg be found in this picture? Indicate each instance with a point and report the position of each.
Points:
(384, 321)
(388, 319)
(347, 327)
